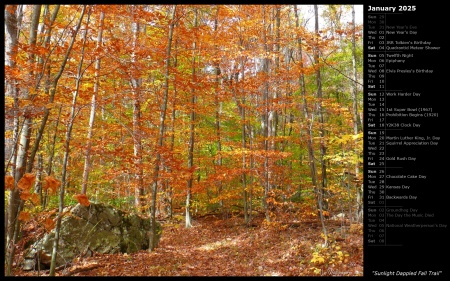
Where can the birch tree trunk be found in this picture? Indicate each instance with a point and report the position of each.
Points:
(87, 155)
(15, 202)
(136, 82)
(12, 36)
(12, 22)
(191, 133)
(276, 94)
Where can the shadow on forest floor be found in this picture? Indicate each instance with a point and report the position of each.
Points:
(216, 247)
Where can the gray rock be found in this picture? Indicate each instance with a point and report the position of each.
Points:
(98, 228)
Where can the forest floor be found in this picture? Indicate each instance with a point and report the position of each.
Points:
(216, 247)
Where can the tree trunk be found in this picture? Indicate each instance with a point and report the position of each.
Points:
(66, 148)
(11, 36)
(162, 118)
(252, 166)
(218, 105)
(357, 125)
(241, 105)
(38, 186)
(276, 94)
(45, 68)
(321, 193)
(244, 148)
(191, 133)
(52, 154)
(169, 191)
(15, 203)
(265, 119)
(136, 82)
(305, 109)
(12, 21)
(87, 155)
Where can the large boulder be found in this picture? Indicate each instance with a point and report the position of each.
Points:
(97, 228)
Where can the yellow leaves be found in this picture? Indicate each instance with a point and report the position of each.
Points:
(357, 136)
(26, 182)
(356, 228)
(9, 182)
(316, 270)
(8, 134)
(332, 255)
(317, 259)
(50, 105)
(344, 139)
(82, 199)
(51, 184)
(25, 102)
(9, 101)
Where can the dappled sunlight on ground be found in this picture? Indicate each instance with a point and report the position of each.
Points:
(215, 247)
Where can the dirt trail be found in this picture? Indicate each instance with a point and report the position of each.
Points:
(214, 247)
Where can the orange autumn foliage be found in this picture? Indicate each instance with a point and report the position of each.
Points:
(26, 182)
(49, 224)
(326, 214)
(82, 199)
(51, 183)
(24, 216)
(25, 195)
(9, 182)
(35, 198)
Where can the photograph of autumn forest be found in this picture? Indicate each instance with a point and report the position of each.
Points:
(183, 140)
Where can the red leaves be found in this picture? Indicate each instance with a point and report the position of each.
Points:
(82, 199)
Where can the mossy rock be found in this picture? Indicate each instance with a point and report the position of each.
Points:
(97, 228)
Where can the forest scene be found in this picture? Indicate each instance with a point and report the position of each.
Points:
(183, 140)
